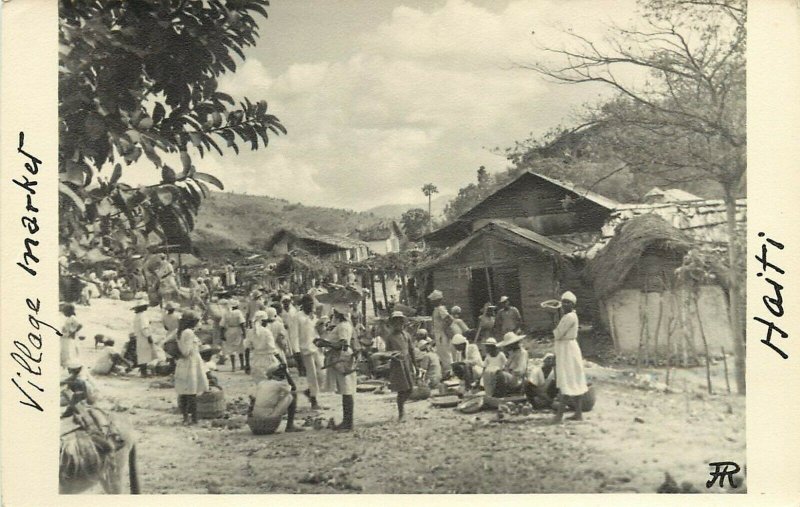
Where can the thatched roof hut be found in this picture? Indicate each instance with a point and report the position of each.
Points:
(611, 266)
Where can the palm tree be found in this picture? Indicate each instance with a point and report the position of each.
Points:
(429, 189)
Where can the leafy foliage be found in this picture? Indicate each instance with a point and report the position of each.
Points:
(414, 223)
(137, 80)
(470, 195)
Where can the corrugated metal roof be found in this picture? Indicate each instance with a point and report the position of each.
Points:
(704, 221)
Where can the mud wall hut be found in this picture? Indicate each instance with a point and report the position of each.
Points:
(642, 302)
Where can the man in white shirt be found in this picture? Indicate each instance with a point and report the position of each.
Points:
(289, 316)
(308, 350)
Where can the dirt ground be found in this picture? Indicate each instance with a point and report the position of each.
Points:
(636, 433)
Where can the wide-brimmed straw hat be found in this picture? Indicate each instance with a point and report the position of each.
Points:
(511, 338)
(397, 314)
(504, 299)
(260, 315)
(436, 294)
(490, 342)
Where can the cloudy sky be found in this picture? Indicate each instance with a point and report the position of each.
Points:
(380, 97)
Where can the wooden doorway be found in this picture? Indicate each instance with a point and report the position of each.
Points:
(481, 279)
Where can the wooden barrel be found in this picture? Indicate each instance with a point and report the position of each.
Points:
(211, 404)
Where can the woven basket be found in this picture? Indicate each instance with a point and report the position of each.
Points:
(211, 404)
(264, 425)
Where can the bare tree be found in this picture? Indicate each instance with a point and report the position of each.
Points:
(686, 120)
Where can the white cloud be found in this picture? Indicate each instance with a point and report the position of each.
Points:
(417, 100)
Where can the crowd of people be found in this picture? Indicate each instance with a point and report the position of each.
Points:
(269, 333)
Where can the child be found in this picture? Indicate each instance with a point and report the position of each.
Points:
(69, 332)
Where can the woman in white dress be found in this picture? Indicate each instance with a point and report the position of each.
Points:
(570, 378)
(69, 335)
(190, 371)
(145, 351)
(233, 335)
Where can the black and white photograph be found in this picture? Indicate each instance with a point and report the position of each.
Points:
(404, 247)
(460, 246)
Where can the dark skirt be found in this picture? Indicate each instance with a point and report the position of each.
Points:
(400, 378)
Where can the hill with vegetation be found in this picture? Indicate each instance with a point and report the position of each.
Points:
(229, 221)
(395, 211)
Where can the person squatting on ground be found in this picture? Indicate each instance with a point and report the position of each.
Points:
(509, 379)
(78, 388)
(401, 366)
(540, 389)
(233, 325)
(109, 361)
(190, 372)
(279, 375)
(145, 350)
(340, 364)
(309, 353)
(570, 377)
(468, 363)
(495, 361)
(430, 368)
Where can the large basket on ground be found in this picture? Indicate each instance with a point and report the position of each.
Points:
(211, 404)
(264, 425)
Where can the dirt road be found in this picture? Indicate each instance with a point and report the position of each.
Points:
(626, 444)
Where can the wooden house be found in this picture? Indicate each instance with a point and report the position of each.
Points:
(382, 238)
(499, 259)
(531, 201)
(518, 242)
(327, 247)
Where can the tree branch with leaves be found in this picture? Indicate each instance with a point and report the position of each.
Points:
(139, 78)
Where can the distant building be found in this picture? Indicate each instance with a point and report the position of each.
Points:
(325, 246)
(381, 238)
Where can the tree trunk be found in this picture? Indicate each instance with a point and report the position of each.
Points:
(372, 292)
(383, 290)
(735, 300)
(404, 298)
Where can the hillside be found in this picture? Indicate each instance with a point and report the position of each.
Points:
(394, 211)
(227, 221)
